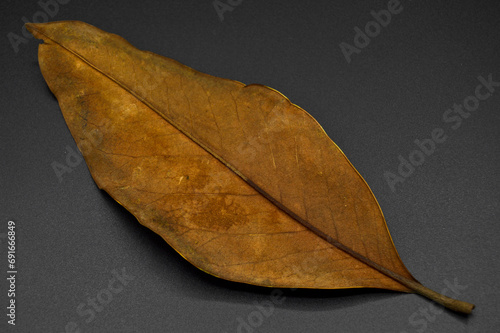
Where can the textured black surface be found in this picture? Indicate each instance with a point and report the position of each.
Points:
(444, 217)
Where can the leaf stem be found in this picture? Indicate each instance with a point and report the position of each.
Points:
(448, 302)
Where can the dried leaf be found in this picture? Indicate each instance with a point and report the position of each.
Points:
(242, 183)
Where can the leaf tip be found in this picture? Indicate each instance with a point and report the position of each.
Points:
(33, 29)
(38, 30)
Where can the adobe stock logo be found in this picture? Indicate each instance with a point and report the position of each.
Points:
(89, 310)
(372, 29)
(453, 116)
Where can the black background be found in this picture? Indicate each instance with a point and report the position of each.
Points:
(444, 218)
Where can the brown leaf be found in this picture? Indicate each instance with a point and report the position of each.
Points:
(242, 183)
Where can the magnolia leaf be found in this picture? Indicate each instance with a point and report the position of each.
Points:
(241, 182)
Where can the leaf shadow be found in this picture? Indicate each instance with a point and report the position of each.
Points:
(35, 69)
